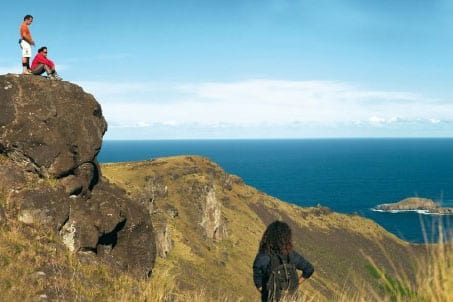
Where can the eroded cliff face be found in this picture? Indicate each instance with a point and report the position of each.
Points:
(212, 221)
(50, 135)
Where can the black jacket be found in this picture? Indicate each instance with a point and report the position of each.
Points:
(261, 269)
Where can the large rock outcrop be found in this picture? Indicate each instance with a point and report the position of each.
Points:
(50, 135)
(55, 127)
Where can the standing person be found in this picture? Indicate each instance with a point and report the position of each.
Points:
(42, 64)
(26, 42)
(276, 264)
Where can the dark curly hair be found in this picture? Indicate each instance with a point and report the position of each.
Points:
(277, 239)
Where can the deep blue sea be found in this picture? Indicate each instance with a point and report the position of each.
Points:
(346, 175)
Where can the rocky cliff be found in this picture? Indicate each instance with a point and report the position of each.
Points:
(50, 135)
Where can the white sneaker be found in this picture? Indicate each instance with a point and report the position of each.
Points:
(54, 77)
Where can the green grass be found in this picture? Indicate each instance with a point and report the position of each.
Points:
(391, 287)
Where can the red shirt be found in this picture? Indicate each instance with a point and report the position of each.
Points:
(41, 59)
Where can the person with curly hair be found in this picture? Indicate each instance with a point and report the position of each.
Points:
(276, 248)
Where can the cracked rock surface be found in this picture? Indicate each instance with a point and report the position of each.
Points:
(50, 135)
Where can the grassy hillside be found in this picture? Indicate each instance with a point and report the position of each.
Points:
(354, 258)
(338, 245)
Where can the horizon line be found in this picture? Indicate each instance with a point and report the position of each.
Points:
(283, 138)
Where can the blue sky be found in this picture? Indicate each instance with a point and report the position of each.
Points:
(251, 69)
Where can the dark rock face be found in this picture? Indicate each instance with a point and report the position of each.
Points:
(2, 216)
(10, 176)
(50, 135)
(41, 206)
(54, 126)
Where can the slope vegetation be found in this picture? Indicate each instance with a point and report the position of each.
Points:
(209, 224)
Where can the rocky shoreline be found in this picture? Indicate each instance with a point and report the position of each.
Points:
(421, 205)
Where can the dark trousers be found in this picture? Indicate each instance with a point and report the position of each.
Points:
(38, 70)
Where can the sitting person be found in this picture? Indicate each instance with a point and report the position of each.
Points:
(42, 64)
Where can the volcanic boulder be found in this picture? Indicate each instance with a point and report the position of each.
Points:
(50, 135)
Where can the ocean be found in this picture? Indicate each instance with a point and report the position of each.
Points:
(346, 175)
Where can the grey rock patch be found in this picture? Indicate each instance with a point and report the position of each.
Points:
(41, 206)
(212, 221)
(38, 275)
(40, 298)
(164, 242)
(3, 220)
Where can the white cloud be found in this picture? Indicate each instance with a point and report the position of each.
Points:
(263, 102)
(10, 69)
(377, 120)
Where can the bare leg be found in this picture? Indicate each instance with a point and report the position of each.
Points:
(26, 65)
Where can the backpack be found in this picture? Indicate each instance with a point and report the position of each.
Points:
(283, 279)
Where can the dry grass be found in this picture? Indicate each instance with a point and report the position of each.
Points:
(330, 240)
(25, 252)
(20, 257)
(34, 263)
(433, 279)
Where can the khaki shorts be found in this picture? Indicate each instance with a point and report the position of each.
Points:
(26, 49)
